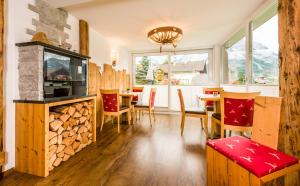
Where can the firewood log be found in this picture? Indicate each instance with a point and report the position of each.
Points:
(53, 141)
(56, 115)
(66, 157)
(82, 119)
(69, 128)
(65, 134)
(52, 159)
(71, 110)
(72, 133)
(52, 134)
(55, 125)
(78, 106)
(67, 141)
(85, 139)
(88, 125)
(64, 117)
(75, 129)
(60, 130)
(86, 112)
(60, 109)
(66, 125)
(90, 141)
(60, 148)
(50, 168)
(72, 121)
(77, 115)
(59, 139)
(51, 118)
(57, 162)
(82, 129)
(53, 147)
(61, 154)
(79, 138)
(74, 137)
(85, 104)
(90, 135)
(81, 111)
(50, 153)
(75, 145)
(69, 150)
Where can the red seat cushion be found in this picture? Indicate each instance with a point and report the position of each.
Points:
(256, 158)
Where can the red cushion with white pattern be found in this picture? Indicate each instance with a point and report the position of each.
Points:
(110, 103)
(256, 158)
(238, 112)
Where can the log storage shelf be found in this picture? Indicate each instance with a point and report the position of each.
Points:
(49, 133)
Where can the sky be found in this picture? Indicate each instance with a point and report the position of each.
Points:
(267, 34)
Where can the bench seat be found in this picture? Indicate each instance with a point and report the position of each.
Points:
(256, 158)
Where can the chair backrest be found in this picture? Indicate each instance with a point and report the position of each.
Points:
(266, 120)
(110, 99)
(237, 108)
(212, 91)
(152, 98)
(137, 89)
(182, 106)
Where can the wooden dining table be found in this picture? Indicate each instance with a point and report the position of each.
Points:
(126, 101)
(210, 97)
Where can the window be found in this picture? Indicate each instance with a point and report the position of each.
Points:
(151, 70)
(237, 62)
(265, 53)
(189, 69)
(252, 57)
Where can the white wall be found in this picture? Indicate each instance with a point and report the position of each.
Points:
(18, 19)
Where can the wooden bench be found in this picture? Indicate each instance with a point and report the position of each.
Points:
(239, 161)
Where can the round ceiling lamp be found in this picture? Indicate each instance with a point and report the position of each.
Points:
(165, 35)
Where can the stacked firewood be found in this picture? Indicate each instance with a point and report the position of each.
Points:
(70, 130)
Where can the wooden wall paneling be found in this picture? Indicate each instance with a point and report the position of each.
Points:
(289, 81)
(84, 37)
(92, 77)
(2, 154)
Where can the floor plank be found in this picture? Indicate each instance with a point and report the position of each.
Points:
(140, 155)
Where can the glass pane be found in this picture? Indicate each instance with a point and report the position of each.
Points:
(189, 69)
(237, 62)
(151, 70)
(265, 53)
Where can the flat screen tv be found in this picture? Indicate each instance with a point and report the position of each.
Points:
(58, 67)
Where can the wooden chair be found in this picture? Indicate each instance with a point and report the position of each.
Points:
(236, 111)
(149, 107)
(210, 104)
(135, 99)
(197, 112)
(139, 90)
(241, 161)
(112, 106)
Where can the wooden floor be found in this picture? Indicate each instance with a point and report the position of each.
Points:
(140, 155)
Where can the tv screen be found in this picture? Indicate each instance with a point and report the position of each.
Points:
(57, 67)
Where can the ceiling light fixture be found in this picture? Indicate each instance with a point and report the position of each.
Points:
(165, 35)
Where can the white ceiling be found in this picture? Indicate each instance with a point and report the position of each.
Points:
(127, 22)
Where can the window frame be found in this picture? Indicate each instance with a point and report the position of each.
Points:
(211, 63)
(251, 25)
